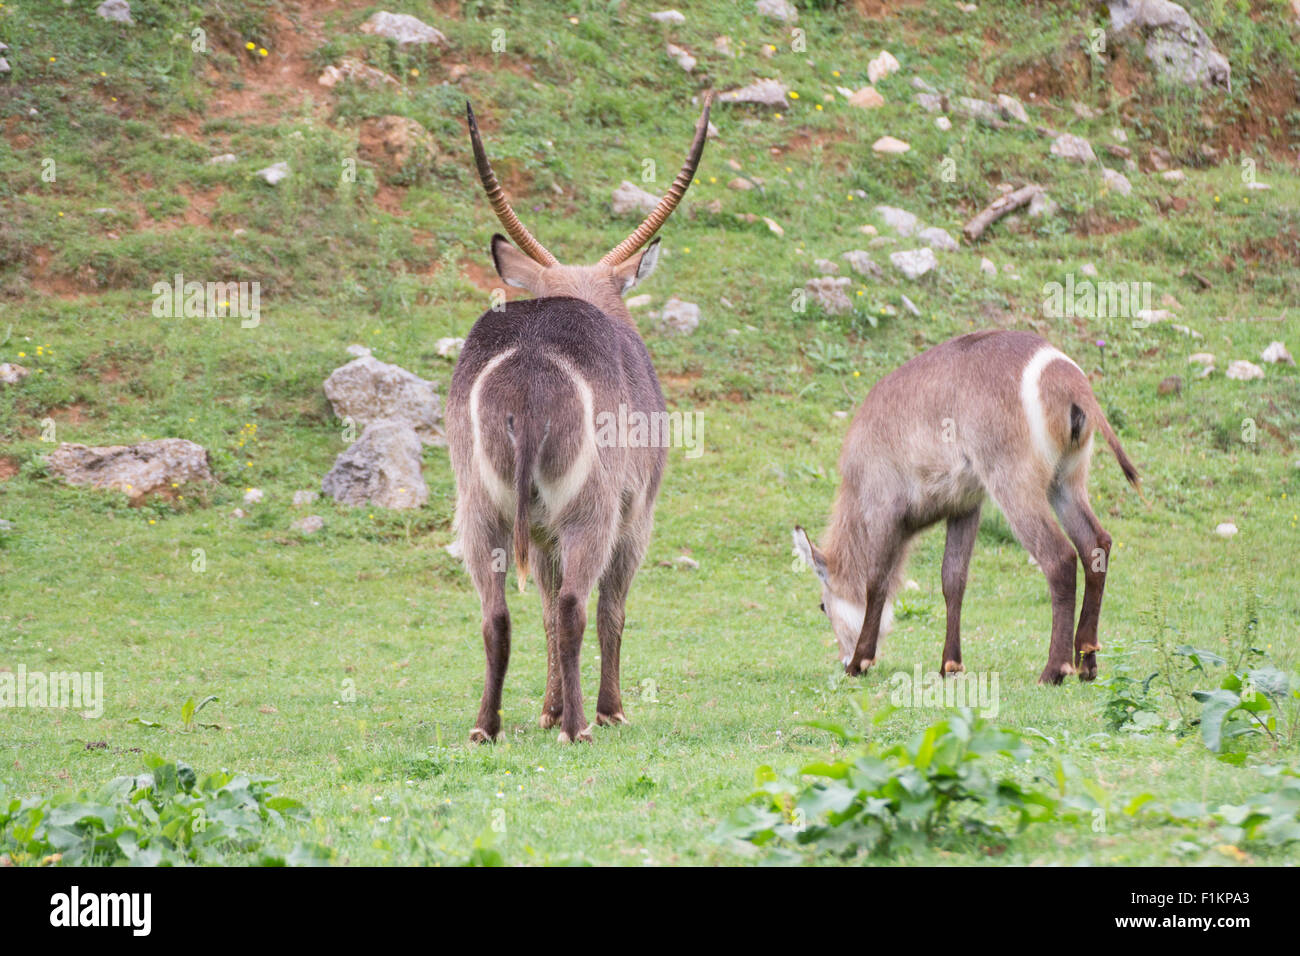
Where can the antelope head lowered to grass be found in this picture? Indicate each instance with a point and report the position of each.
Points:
(995, 413)
(531, 380)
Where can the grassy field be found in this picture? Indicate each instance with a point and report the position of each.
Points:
(348, 663)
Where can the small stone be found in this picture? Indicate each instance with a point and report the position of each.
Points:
(882, 66)
(640, 301)
(774, 226)
(1277, 354)
(1118, 135)
(781, 10)
(988, 268)
(910, 306)
(1225, 530)
(253, 496)
(1041, 205)
(826, 267)
(1260, 186)
(1173, 175)
(930, 102)
(1089, 270)
(1159, 158)
(830, 293)
(274, 173)
(11, 373)
(679, 316)
(222, 160)
(1012, 108)
(937, 238)
(1075, 148)
(890, 145)
(1243, 371)
(1201, 358)
(301, 499)
(681, 56)
(308, 525)
(761, 92)
(741, 184)
(1116, 181)
(449, 347)
(631, 198)
(403, 29)
(860, 261)
(1173, 385)
(867, 98)
(900, 220)
(914, 263)
(943, 123)
(119, 11)
(669, 16)
(978, 109)
(687, 562)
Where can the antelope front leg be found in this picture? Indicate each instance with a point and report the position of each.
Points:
(864, 655)
(956, 563)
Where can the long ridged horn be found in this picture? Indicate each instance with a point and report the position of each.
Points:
(671, 198)
(514, 228)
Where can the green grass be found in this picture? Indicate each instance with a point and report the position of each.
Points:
(722, 666)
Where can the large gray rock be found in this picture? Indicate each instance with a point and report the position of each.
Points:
(402, 28)
(1175, 43)
(367, 390)
(380, 468)
(136, 470)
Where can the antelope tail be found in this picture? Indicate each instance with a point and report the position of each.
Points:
(1125, 463)
(525, 456)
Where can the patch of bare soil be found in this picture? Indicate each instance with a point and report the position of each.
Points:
(43, 280)
(8, 468)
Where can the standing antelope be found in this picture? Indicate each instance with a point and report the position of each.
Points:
(529, 383)
(995, 413)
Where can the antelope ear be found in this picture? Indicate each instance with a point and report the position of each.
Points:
(806, 551)
(637, 268)
(513, 266)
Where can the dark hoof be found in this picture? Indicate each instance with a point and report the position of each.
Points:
(1053, 674)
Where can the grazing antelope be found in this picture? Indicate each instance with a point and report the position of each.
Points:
(995, 413)
(531, 379)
